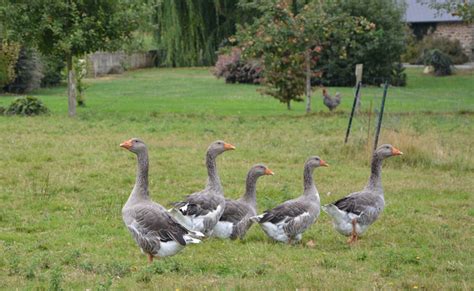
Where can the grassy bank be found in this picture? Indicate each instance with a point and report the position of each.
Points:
(63, 182)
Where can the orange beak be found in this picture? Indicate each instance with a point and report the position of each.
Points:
(323, 163)
(228, 146)
(126, 144)
(269, 172)
(396, 152)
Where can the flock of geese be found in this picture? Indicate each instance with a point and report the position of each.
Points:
(160, 232)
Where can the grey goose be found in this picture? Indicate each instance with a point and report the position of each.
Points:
(235, 221)
(202, 210)
(353, 214)
(154, 230)
(288, 221)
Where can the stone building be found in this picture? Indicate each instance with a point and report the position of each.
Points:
(424, 20)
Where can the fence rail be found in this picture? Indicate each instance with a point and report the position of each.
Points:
(102, 63)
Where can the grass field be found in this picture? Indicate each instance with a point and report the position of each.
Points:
(63, 183)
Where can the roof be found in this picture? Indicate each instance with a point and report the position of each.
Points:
(418, 13)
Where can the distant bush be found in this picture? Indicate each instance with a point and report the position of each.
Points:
(452, 48)
(234, 69)
(8, 58)
(28, 70)
(2, 110)
(377, 51)
(26, 106)
(399, 77)
(53, 67)
(440, 61)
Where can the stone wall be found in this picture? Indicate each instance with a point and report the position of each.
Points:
(458, 30)
(102, 63)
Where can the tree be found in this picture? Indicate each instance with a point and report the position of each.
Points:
(71, 28)
(462, 8)
(290, 41)
(190, 32)
(378, 50)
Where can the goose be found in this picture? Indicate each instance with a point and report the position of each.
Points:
(154, 230)
(287, 222)
(353, 214)
(202, 210)
(235, 221)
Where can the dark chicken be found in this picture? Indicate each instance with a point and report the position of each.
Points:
(331, 102)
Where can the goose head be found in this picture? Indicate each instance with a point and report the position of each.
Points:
(135, 145)
(218, 147)
(316, 161)
(387, 150)
(259, 170)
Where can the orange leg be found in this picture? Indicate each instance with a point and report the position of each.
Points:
(353, 238)
(150, 258)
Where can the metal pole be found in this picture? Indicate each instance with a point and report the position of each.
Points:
(356, 97)
(379, 123)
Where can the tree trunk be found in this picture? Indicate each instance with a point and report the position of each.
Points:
(71, 88)
(308, 81)
(288, 105)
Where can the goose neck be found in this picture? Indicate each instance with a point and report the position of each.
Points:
(213, 181)
(308, 182)
(250, 196)
(375, 180)
(140, 190)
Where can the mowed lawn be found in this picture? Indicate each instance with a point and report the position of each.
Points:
(63, 182)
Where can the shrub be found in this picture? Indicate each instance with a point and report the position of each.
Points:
(377, 51)
(53, 66)
(233, 68)
(452, 48)
(8, 58)
(27, 106)
(399, 77)
(440, 61)
(28, 72)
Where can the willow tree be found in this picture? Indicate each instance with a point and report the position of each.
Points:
(190, 31)
(70, 28)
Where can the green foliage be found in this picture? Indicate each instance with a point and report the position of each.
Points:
(53, 66)
(399, 77)
(26, 106)
(452, 48)
(463, 9)
(8, 57)
(71, 27)
(80, 72)
(28, 72)
(440, 61)
(281, 38)
(377, 50)
(189, 32)
(234, 69)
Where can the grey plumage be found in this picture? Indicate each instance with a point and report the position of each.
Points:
(201, 211)
(353, 214)
(288, 221)
(235, 221)
(331, 102)
(154, 230)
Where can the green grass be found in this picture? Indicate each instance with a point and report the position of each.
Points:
(63, 182)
